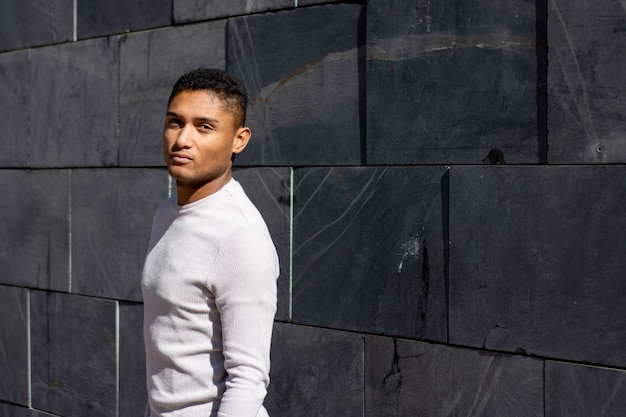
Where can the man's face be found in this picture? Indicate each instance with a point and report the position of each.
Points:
(199, 138)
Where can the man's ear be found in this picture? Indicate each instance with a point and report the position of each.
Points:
(242, 137)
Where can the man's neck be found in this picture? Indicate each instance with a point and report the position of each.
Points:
(190, 193)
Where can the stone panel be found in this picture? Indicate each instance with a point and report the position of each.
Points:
(14, 345)
(73, 104)
(14, 143)
(112, 211)
(119, 16)
(192, 10)
(133, 394)
(315, 372)
(304, 101)
(587, 81)
(369, 250)
(34, 227)
(270, 190)
(151, 62)
(449, 81)
(74, 360)
(536, 261)
(581, 391)
(408, 378)
(28, 23)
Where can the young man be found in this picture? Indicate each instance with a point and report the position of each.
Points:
(209, 280)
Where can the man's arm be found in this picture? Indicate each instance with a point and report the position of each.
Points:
(245, 292)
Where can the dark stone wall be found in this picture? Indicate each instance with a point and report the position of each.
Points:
(445, 183)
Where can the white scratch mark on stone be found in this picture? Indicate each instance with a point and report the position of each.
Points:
(414, 46)
(409, 249)
(582, 103)
(354, 208)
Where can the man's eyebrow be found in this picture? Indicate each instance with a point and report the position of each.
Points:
(207, 119)
(198, 119)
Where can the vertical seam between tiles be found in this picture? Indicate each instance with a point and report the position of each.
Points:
(545, 387)
(69, 235)
(117, 357)
(363, 376)
(29, 350)
(291, 222)
(75, 20)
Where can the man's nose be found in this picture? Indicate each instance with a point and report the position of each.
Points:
(183, 140)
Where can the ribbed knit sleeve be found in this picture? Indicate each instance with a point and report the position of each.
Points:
(243, 281)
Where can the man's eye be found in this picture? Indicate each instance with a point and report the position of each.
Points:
(174, 122)
(206, 127)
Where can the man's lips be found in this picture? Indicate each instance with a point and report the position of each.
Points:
(180, 158)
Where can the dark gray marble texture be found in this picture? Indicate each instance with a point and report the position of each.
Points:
(301, 71)
(14, 366)
(27, 23)
(537, 261)
(34, 228)
(192, 10)
(14, 145)
(408, 378)
(449, 81)
(118, 16)
(576, 390)
(270, 190)
(587, 81)
(315, 372)
(369, 250)
(150, 64)
(112, 211)
(73, 104)
(74, 359)
(132, 394)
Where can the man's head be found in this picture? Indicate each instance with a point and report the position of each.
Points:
(203, 132)
(224, 86)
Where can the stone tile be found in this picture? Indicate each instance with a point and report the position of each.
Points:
(133, 395)
(150, 64)
(315, 372)
(577, 391)
(270, 190)
(42, 22)
(14, 345)
(112, 212)
(73, 104)
(536, 261)
(369, 250)
(192, 10)
(304, 101)
(35, 228)
(408, 378)
(586, 82)
(449, 82)
(118, 16)
(74, 361)
(14, 108)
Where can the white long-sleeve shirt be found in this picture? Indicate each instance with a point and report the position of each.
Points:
(209, 292)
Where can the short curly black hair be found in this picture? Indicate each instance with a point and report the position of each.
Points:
(219, 82)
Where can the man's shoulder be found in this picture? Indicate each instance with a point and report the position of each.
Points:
(242, 205)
